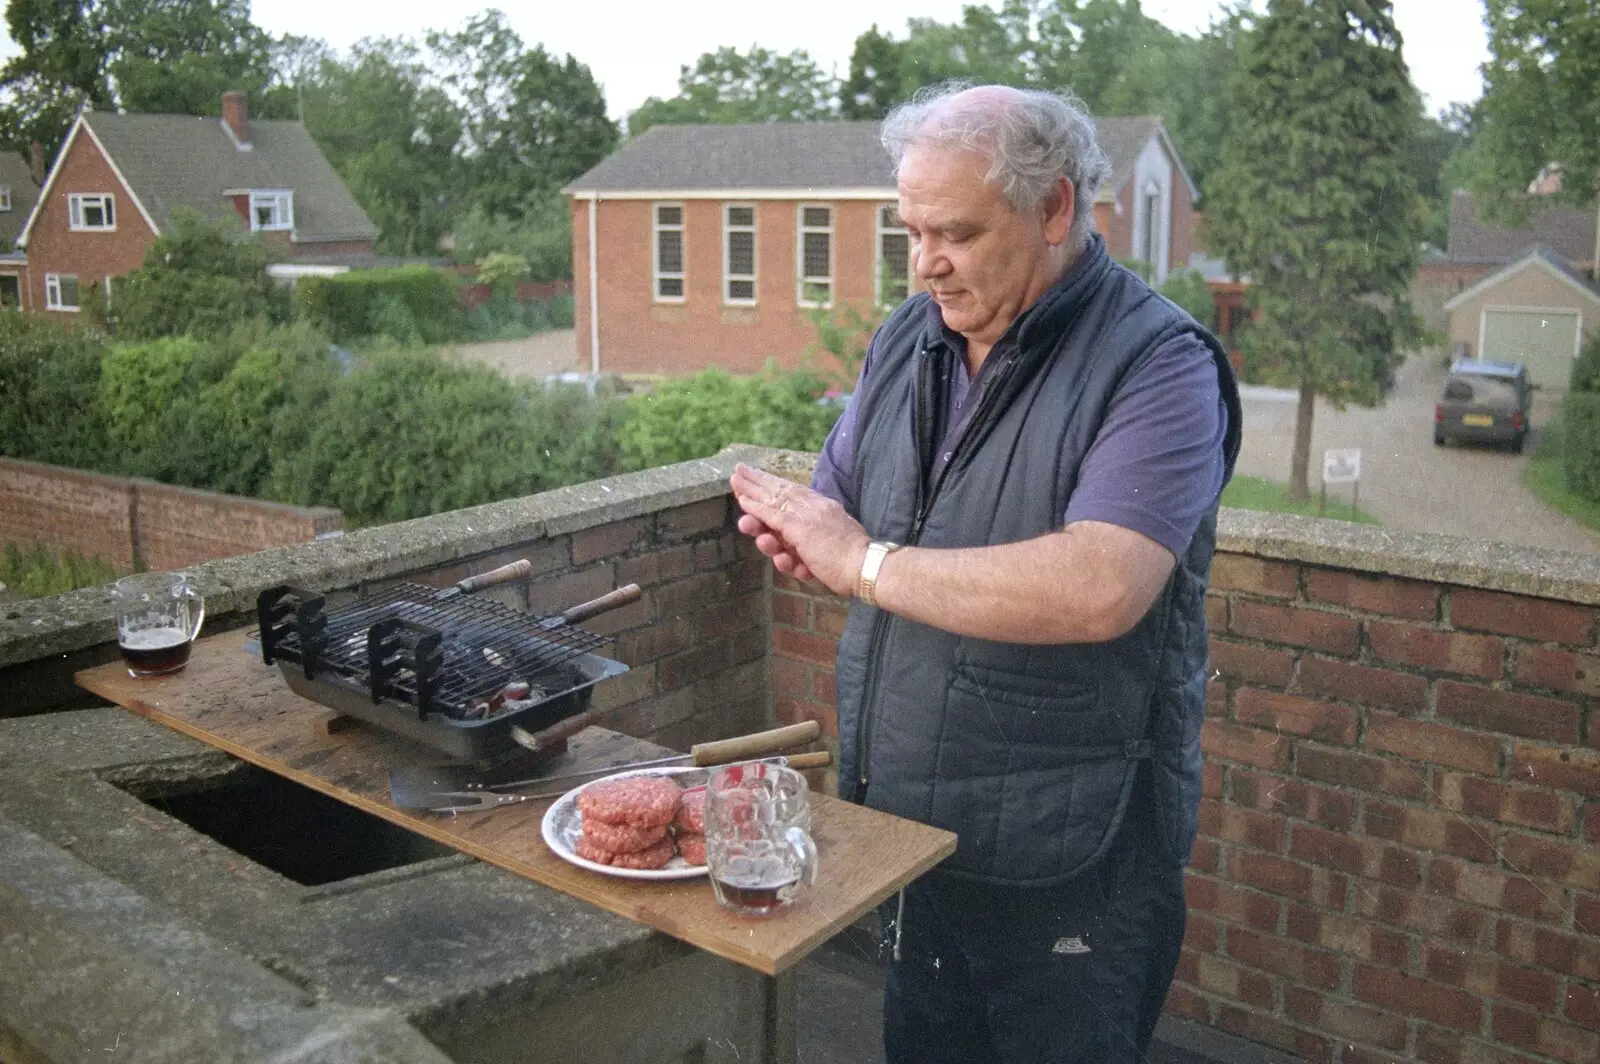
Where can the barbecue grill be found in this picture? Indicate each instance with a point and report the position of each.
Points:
(470, 677)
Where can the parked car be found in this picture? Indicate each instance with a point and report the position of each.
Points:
(1484, 402)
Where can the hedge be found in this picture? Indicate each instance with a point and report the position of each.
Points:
(405, 303)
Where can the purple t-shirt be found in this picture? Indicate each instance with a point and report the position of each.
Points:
(1156, 466)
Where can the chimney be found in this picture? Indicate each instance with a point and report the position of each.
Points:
(236, 116)
(36, 166)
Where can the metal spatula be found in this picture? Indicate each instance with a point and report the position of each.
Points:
(477, 801)
(423, 786)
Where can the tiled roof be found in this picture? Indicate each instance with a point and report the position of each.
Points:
(1568, 231)
(176, 161)
(14, 175)
(794, 155)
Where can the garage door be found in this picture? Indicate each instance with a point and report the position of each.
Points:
(1545, 340)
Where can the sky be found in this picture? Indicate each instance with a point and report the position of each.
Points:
(635, 47)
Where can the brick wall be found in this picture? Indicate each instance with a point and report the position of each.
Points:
(696, 643)
(1400, 836)
(130, 522)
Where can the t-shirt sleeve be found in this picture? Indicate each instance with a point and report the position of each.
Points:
(1157, 465)
(835, 473)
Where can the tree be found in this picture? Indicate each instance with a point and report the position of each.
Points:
(198, 279)
(1539, 105)
(532, 122)
(874, 85)
(1313, 201)
(171, 56)
(728, 86)
(391, 135)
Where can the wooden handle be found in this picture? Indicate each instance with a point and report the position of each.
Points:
(516, 570)
(557, 733)
(813, 759)
(757, 744)
(609, 601)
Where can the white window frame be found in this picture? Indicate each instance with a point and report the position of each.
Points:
(801, 279)
(279, 199)
(77, 201)
(728, 276)
(52, 292)
(878, 257)
(656, 274)
(5, 199)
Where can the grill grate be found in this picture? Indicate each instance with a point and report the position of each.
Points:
(483, 646)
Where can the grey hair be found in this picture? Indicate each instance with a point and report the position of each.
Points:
(1032, 140)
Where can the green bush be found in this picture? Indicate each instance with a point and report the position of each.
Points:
(1580, 452)
(199, 278)
(1586, 368)
(541, 238)
(408, 433)
(362, 303)
(698, 416)
(504, 318)
(1189, 290)
(140, 384)
(49, 388)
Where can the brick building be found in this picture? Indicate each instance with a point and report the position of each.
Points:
(19, 189)
(119, 177)
(713, 244)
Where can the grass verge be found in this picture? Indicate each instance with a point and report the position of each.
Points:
(1256, 493)
(1547, 479)
(33, 572)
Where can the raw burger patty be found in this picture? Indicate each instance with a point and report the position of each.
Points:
(639, 802)
(692, 848)
(691, 818)
(620, 838)
(652, 857)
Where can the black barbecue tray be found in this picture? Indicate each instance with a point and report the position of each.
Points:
(438, 661)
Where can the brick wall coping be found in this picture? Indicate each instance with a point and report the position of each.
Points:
(1564, 575)
(321, 513)
(32, 629)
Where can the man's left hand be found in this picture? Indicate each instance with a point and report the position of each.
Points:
(806, 534)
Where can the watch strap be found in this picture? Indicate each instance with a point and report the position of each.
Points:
(867, 582)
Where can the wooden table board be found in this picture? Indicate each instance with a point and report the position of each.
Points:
(229, 699)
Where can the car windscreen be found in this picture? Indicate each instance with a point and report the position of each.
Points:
(1485, 391)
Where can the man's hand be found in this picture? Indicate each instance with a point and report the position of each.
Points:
(808, 536)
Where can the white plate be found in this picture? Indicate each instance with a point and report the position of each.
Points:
(563, 824)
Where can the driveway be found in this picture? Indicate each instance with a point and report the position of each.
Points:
(1406, 481)
(540, 355)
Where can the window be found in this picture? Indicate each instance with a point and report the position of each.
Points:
(739, 254)
(816, 256)
(272, 210)
(91, 211)
(10, 292)
(61, 291)
(1152, 233)
(5, 199)
(667, 252)
(894, 258)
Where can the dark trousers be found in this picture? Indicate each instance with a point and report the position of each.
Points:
(1072, 974)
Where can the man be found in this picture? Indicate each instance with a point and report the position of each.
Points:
(1021, 497)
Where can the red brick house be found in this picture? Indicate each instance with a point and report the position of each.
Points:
(119, 177)
(19, 190)
(714, 243)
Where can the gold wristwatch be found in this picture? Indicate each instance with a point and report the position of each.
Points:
(867, 582)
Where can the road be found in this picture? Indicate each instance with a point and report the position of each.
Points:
(1407, 482)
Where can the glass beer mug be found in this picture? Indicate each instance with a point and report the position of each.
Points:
(758, 837)
(158, 617)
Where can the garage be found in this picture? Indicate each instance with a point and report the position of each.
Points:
(1545, 340)
(1536, 310)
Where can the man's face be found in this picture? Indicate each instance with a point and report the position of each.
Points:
(983, 262)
